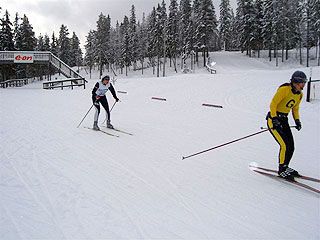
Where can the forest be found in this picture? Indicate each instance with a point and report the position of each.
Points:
(168, 33)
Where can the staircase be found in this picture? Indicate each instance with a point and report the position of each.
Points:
(37, 57)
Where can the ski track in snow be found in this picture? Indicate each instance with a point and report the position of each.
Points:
(62, 182)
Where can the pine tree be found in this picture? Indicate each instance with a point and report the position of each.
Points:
(125, 48)
(54, 45)
(185, 22)
(225, 24)
(76, 53)
(90, 51)
(313, 18)
(102, 39)
(16, 28)
(173, 32)
(64, 45)
(133, 37)
(116, 44)
(46, 46)
(316, 26)
(160, 32)
(196, 12)
(152, 37)
(40, 43)
(143, 42)
(7, 44)
(206, 27)
(257, 43)
(234, 32)
(246, 19)
(25, 38)
(6, 34)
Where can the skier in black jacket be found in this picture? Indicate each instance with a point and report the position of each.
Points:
(98, 96)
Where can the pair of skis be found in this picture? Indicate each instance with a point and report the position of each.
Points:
(274, 174)
(111, 134)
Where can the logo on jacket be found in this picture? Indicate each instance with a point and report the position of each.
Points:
(291, 103)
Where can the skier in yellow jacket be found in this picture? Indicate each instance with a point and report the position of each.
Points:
(287, 98)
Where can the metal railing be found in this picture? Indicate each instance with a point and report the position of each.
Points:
(43, 57)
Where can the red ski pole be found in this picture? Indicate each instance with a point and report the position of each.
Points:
(207, 150)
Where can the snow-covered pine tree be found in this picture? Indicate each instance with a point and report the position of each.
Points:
(16, 28)
(142, 42)
(312, 19)
(113, 48)
(173, 33)
(316, 26)
(133, 37)
(206, 27)
(225, 24)
(102, 39)
(267, 29)
(116, 42)
(7, 44)
(185, 21)
(125, 47)
(161, 19)
(190, 35)
(54, 45)
(76, 53)
(279, 27)
(25, 39)
(40, 43)
(64, 45)
(46, 43)
(257, 43)
(246, 18)
(196, 13)
(89, 58)
(152, 38)
(288, 19)
(6, 33)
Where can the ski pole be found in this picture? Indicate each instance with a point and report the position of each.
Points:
(113, 106)
(224, 144)
(85, 116)
(109, 111)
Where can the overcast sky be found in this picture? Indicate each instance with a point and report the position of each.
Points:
(46, 16)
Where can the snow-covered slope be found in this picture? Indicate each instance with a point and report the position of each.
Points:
(62, 182)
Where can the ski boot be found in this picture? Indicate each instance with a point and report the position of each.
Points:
(95, 126)
(109, 125)
(293, 172)
(287, 173)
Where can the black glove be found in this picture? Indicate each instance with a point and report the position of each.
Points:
(298, 124)
(276, 123)
(117, 99)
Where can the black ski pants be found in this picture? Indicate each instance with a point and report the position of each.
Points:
(284, 138)
(104, 102)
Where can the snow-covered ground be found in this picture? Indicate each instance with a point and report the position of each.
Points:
(58, 181)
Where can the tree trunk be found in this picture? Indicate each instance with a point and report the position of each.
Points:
(276, 54)
(319, 51)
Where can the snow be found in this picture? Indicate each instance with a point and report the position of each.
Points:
(62, 182)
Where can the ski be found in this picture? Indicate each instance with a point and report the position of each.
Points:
(274, 176)
(118, 130)
(275, 171)
(107, 133)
